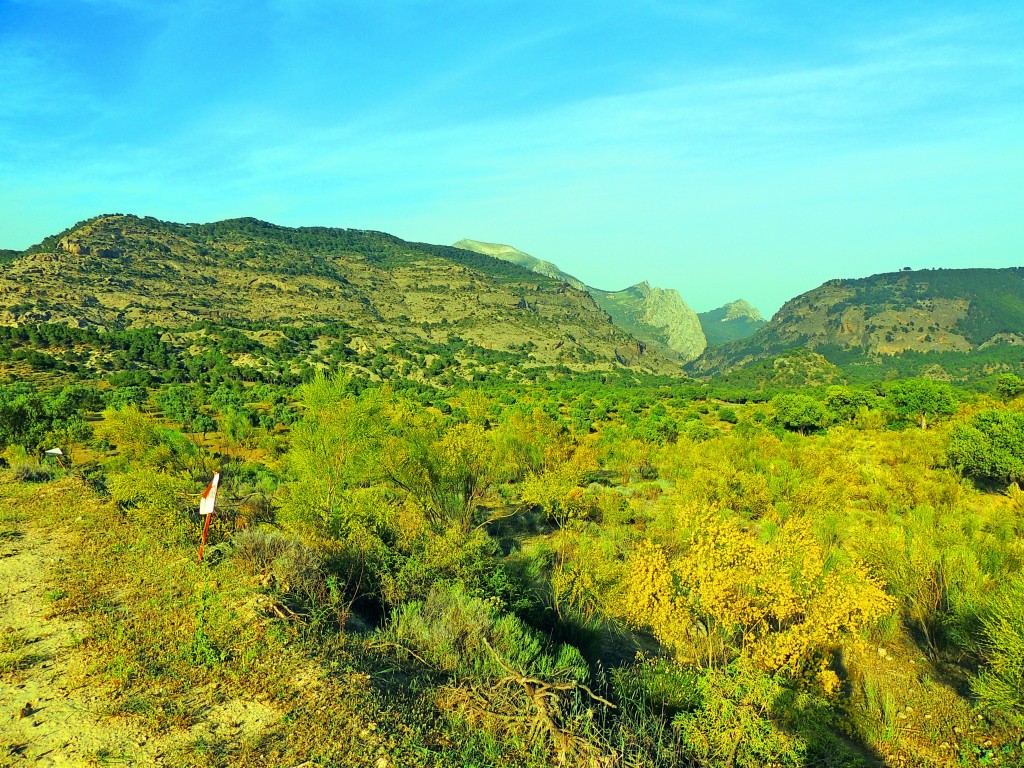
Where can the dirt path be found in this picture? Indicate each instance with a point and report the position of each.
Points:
(43, 721)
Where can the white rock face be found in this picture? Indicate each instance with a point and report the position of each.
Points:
(665, 309)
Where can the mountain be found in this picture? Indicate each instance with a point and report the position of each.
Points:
(657, 316)
(731, 322)
(122, 272)
(891, 314)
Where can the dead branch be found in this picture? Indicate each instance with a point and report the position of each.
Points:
(546, 702)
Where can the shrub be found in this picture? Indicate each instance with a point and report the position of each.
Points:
(452, 557)
(32, 473)
(781, 603)
(256, 549)
(699, 432)
(157, 500)
(1001, 683)
(728, 415)
(452, 631)
(296, 572)
(990, 446)
(747, 718)
(734, 726)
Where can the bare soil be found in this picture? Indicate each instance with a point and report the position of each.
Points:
(45, 720)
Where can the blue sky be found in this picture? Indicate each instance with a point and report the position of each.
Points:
(729, 149)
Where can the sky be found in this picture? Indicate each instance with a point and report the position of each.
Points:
(725, 149)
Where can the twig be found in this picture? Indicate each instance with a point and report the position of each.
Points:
(399, 646)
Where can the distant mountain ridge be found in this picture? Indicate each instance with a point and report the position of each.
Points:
(508, 253)
(120, 271)
(657, 316)
(730, 322)
(942, 310)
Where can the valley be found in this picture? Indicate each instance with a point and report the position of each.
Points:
(474, 513)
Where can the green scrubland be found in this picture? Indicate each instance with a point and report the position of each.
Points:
(582, 569)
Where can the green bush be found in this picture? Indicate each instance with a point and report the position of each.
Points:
(990, 446)
(32, 473)
(157, 500)
(1001, 682)
(451, 631)
(257, 549)
(747, 718)
(728, 415)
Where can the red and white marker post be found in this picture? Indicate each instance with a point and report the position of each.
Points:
(206, 505)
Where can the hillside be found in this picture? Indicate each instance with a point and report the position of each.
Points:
(508, 253)
(730, 322)
(890, 315)
(118, 272)
(657, 316)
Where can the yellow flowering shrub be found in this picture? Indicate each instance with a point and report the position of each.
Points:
(775, 599)
(558, 491)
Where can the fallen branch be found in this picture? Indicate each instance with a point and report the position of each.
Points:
(546, 701)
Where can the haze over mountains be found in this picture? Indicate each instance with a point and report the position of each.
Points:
(120, 271)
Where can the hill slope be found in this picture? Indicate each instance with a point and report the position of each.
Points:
(657, 316)
(945, 310)
(508, 253)
(120, 271)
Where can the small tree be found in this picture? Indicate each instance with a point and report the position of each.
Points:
(799, 413)
(1009, 386)
(178, 403)
(844, 403)
(204, 423)
(920, 400)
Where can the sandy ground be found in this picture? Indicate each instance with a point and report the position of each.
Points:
(43, 721)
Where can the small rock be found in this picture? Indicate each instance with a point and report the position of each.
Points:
(382, 762)
(27, 710)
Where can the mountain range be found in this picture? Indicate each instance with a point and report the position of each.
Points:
(121, 271)
(118, 271)
(657, 316)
